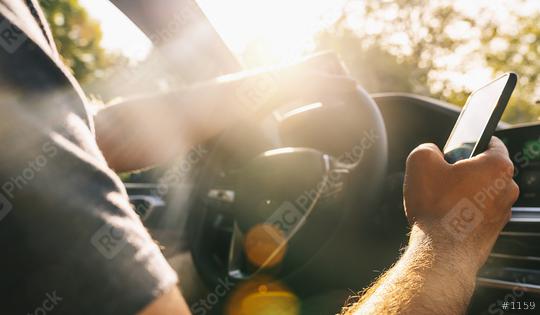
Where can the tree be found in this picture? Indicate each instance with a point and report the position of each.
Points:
(517, 49)
(78, 38)
(420, 47)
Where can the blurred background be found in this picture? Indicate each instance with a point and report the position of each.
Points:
(443, 49)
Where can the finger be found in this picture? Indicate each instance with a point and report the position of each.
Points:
(511, 194)
(495, 148)
(426, 154)
(495, 156)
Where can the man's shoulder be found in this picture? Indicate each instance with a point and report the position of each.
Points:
(30, 65)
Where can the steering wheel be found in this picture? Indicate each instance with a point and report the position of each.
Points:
(290, 194)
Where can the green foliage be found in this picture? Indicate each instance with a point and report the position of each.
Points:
(78, 38)
(521, 52)
(375, 68)
(420, 47)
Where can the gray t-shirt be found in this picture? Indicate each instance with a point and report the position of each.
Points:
(69, 241)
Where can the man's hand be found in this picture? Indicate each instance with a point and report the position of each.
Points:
(143, 132)
(170, 302)
(456, 211)
(461, 206)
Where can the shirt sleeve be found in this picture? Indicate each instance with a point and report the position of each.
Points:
(69, 239)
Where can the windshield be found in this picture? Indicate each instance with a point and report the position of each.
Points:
(442, 49)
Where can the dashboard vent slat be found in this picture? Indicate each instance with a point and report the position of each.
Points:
(515, 258)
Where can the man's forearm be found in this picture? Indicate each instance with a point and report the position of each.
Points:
(430, 278)
(142, 132)
(146, 131)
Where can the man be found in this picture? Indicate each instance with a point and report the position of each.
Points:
(60, 191)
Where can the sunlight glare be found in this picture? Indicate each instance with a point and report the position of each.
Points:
(119, 33)
(283, 30)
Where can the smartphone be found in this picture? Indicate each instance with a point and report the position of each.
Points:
(479, 118)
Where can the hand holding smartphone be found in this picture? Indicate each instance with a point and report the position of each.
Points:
(479, 118)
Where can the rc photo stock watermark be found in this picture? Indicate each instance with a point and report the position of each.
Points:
(291, 215)
(109, 239)
(11, 37)
(180, 170)
(467, 214)
(164, 40)
(206, 304)
(50, 302)
(16, 183)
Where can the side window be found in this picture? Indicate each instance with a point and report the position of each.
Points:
(105, 51)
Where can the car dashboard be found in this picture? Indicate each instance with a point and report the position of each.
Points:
(512, 272)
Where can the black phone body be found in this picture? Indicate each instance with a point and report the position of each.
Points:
(479, 118)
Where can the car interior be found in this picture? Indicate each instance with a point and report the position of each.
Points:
(209, 209)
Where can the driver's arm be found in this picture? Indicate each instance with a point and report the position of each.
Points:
(457, 212)
(145, 131)
(171, 302)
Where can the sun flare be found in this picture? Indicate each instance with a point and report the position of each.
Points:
(280, 30)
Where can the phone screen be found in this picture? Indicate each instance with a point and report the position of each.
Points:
(473, 120)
